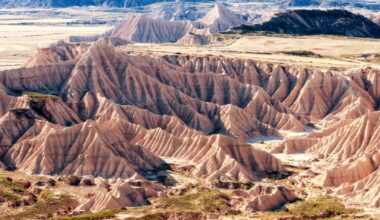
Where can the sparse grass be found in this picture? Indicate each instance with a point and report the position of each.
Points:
(46, 206)
(19, 110)
(318, 208)
(11, 191)
(301, 53)
(323, 207)
(225, 36)
(165, 215)
(105, 214)
(8, 196)
(206, 201)
(8, 183)
(367, 57)
(192, 206)
(34, 96)
(156, 216)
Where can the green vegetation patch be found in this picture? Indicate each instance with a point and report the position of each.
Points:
(11, 190)
(302, 53)
(318, 208)
(324, 207)
(8, 196)
(47, 205)
(10, 184)
(19, 110)
(170, 215)
(35, 96)
(207, 201)
(188, 206)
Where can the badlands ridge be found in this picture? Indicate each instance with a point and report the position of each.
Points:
(122, 128)
(95, 110)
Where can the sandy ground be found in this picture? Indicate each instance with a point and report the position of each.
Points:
(265, 143)
(19, 42)
(20, 35)
(22, 32)
(324, 45)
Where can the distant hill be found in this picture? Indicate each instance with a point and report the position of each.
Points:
(315, 22)
(146, 29)
(69, 3)
(369, 4)
(221, 18)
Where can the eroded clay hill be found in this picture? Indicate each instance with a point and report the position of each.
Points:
(352, 151)
(147, 29)
(143, 28)
(317, 22)
(111, 114)
(97, 110)
(220, 18)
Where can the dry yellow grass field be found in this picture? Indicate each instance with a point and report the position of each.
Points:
(19, 42)
(339, 52)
